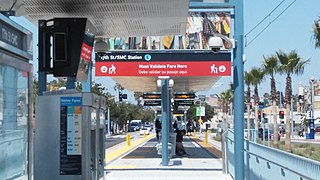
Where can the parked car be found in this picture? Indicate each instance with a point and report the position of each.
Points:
(148, 127)
(133, 128)
(144, 130)
(317, 129)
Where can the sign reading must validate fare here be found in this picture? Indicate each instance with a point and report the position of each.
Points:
(163, 64)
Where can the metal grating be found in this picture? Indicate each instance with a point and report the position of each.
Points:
(117, 18)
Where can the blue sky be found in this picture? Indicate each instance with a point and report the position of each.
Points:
(291, 31)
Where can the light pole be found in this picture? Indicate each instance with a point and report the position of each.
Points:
(291, 117)
(311, 121)
(109, 121)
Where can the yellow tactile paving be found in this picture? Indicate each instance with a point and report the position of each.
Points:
(117, 153)
(208, 147)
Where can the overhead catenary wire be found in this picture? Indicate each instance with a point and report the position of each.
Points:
(268, 15)
(247, 44)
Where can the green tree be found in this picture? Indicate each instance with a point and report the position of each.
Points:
(258, 75)
(56, 84)
(271, 67)
(148, 115)
(291, 63)
(137, 97)
(191, 113)
(209, 112)
(248, 81)
(316, 33)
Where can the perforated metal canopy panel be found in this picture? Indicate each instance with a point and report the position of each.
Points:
(117, 18)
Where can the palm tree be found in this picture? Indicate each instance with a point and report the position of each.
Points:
(290, 64)
(258, 76)
(271, 67)
(225, 98)
(316, 33)
(248, 81)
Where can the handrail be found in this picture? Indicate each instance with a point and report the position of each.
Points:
(283, 167)
(298, 166)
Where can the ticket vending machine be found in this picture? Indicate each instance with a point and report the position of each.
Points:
(69, 144)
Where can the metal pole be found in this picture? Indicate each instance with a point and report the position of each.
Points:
(238, 81)
(231, 115)
(280, 105)
(311, 134)
(223, 147)
(86, 86)
(170, 112)
(263, 127)
(109, 122)
(200, 118)
(185, 120)
(165, 120)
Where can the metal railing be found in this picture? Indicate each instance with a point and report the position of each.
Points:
(262, 162)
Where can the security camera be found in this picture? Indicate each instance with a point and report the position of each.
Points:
(215, 43)
(312, 79)
(100, 46)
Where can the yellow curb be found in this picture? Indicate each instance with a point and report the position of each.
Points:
(117, 153)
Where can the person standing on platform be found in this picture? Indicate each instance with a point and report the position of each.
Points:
(158, 127)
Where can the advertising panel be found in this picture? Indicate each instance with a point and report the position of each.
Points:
(85, 57)
(200, 27)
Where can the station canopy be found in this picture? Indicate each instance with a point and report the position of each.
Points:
(119, 18)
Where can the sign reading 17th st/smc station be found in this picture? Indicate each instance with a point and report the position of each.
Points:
(182, 63)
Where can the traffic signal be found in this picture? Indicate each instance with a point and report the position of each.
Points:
(122, 96)
(301, 98)
(281, 114)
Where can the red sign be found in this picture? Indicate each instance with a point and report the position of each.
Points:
(86, 52)
(169, 68)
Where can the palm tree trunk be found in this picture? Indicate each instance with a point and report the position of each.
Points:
(256, 120)
(275, 124)
(256, 103)
(288, 129)
(288, 103)
(248, 120)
